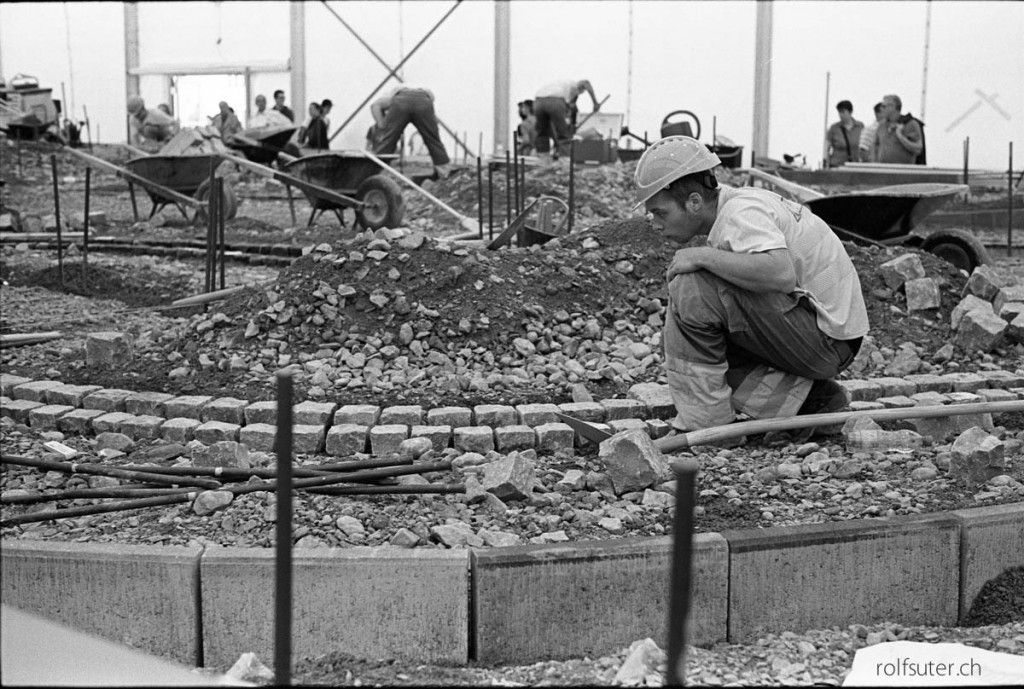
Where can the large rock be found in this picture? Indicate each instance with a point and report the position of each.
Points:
(1006, 295)
(108, 349)
(642, 661)
(632, 462)
(209, 501)
(922, 293)
(509, 478)
(248, 668)
(983, 283)
(225, 453)
(966, 305)
(980, 331)
(977, 456)
(1015, 330)
(900, 269)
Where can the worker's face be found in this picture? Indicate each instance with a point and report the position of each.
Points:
(279, 99)
(679, 223)
(261, 103)
(223, 108)
(890, 110)
(845, 116)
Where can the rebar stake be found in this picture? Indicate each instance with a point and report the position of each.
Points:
(283, 571)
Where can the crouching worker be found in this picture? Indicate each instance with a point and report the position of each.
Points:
(763, 318)
(149, 124)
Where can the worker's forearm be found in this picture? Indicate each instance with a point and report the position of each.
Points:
(760, 272)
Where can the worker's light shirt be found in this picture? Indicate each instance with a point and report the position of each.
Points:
(753, 220)
(566, 90)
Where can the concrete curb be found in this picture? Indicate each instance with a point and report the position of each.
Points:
(518, 604)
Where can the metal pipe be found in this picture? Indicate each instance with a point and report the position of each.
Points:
(56, 211)
(572, 183)
(480, 195)
(490, 199)
(508, 188)
(679, 581)
(283, 569)
(515, 168)
(238, 474)
(221, 220)
(85, 229)
(92, 493)
(1009, 205)
(967, 154)
(101, 470)
(430, 488)
(393, 72)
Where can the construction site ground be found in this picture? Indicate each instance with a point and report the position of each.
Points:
(458, 325)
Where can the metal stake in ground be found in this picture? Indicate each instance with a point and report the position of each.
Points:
(490, 199)
(515, 168)
(572, 183)
(56, 212)
(508, 190)
(283, 578)
(480, 195)
(679, 581)
(1009, 205)
(85, 229)
(220, 225)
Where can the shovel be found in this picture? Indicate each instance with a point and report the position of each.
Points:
(710, 436)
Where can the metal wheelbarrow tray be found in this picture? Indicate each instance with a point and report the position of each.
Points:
(188, 175)
(268, 142)
(376, 198)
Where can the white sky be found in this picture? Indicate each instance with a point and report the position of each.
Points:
(686, 55)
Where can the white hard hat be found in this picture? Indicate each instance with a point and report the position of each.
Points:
(135, 104)
(666, 161)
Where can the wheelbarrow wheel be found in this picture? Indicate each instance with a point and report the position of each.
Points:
(958, 247)
(383, 205)
(227, 198)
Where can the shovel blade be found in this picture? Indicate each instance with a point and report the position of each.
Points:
(585, 429)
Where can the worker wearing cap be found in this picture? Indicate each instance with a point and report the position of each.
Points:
(393, 112)
(764, 317)
(149, 124)
(552, 107)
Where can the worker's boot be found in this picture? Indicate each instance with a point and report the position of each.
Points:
(442, 171)
(825, 397)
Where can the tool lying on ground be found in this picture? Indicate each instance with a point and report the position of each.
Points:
(710, 436)
(545, 227)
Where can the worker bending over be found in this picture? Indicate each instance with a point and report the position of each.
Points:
(394, 111)
(554, 108)
(149, 124)
(764, 317)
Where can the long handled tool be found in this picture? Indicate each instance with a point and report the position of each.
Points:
(710, 436)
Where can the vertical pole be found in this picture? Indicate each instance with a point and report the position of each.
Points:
(131, 58)
(927, 40)
(508, 189)
(572, 183)
(679, 582)
(220, 219)
(88, 129)
(762, 77)
(490, 200)
(297, 56)
(1009, 205)
(56, 212)
(85, 231)
(824, 149)
(135, 204)
(967, 151)
(502, 62)
(522, 183)
(283, 569)
(291, 202)
(480, 195)
(515, 166)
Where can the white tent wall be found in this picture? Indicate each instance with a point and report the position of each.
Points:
(696, 56)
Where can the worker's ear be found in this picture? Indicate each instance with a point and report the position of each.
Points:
(694, 202)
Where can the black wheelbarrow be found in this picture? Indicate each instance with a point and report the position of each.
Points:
(375, 198)
(263, 144)
(186, 175)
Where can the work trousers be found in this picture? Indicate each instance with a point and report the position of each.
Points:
(412, 106)
(729, 350)
(552, 115)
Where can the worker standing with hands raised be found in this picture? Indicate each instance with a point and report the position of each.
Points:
(554, 108)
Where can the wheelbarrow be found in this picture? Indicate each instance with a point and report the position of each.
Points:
(357, 182)
(187, 175)
(263, 144)
(887, 215)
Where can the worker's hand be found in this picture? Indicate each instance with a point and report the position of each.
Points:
(684, 261)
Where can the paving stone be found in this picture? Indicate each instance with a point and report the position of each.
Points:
(896, 402)
(225, 410)
(308, 438)
(657, 397)
(212, 432)
(45, 417)
(110, 349)
(966, 382)
(944, 428)
(1018, 391)
(473, 439)
(107, 399)
(358, 414)
(495, 415)
(895, 387)
(405, 414)
(929, 398)
(980, 331)
(623, 409)
(516, 437)
(71, 395)
(453, 417)
(658, 428)
(179, 430)
(78, 421)
(143, 427)
(584, 411)
(1011, 310)
(994, 395)
(1015, 330)
(148, 403)
(862, 390)
(439, 435)
(34, 391)
(983, 283)
(1003, 379)
(188, 406)
(922, 294)
(861, 405)
(19, 409)
(223, 453)
(385, 438)
(258, 437)
(929, 382)
(111, 422)
(963, 398)
(626, 424)
(314, 413)
(900, 269)
(966, 305)
(556, 437)
(977, 457)
(261, 412)
(536, 414)
(1007, 294)
(346, 439)
(9, 381)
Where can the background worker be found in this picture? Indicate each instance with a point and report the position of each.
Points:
(391, 114)
(767, 314)
(554, 108)
(281, 107)
(869, 137)
(148, 124)
(226, 122)
(900, 138)
(527, 128)
(314, 133)
(266, 118)
(843, 137)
